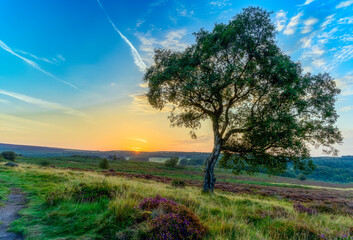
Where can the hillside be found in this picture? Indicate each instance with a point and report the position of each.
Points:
(111, 210)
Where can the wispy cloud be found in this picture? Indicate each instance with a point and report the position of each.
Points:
(151, 6)
(308, 24)
(346, 20)
(34, 64)
(44, 104)
(139, 140)
(328, 20)
(4, 101)
(346, 109)
(344, 54)
(173, 40)
(36, 57)
(220, 3)
(307, 2)
(281, 20)
(344, 4)
(11, 125)
(293, 23)
(137, 58)
(346, 85)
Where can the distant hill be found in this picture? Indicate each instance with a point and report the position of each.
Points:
(36, 151)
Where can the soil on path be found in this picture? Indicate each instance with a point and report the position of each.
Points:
(8, 213)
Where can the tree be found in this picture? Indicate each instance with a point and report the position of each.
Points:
(171, 162)
(265, 112)
(104, 164)
(9, 155)
(183, 162)
(301, 177)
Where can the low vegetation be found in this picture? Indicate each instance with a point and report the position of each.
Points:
(73, 204)
(9, 155)
(104, 164)
(171, 162)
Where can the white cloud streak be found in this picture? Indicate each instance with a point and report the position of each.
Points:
(4, 101)
(307, 2)
(172, 40)
(346, 109)
(344, 4)
(34, 64)
(44, 104)
(346, 20)
(308, 24)
(293, 23)
(137, 58)
(281, 20)
(139, 140)
(328, 20)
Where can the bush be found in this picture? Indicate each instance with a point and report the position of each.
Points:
(302, 209)
(9, 155)
(301, 177)
(172, 221)
(104, 164)
(178, 183)
(173, 226)
(172, 162)
(90, 192)
(44, 163)
(183, 162)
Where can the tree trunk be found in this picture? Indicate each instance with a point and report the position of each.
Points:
(210, 179)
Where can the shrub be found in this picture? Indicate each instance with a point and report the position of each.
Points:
(301, 177)
(90, 192)
(178, 183)
(302, 209)
(9, 155)
(172, 221)
(44, 163)
(183, 162)
(173, 226)
(149, 204)
(104, 164)
(172, 162)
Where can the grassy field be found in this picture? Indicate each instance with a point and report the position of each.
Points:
(157, 169)
(54, 211)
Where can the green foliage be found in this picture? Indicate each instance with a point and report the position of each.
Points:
(171, 162)
(265, 111)
(90, 192)
(9, 155)
(44, 163)
(104, 164)
(183, 162)
(301, 177)
(228, 215)
(178, 183)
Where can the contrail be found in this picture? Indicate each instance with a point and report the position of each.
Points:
(44, 104)
(137, 58)
(34, 64)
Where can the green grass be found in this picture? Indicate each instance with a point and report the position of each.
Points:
(54, 211)
(155, 168)
(4, 191)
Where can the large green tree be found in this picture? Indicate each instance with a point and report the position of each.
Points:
(265, 111)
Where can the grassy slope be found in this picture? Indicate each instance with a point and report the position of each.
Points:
(158, 169)
(229, 216)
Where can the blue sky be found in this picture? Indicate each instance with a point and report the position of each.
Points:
(75, 68)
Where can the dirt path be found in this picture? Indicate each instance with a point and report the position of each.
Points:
(8, 213)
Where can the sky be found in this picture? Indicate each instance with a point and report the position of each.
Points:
(71, 71)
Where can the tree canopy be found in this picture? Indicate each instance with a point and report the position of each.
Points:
(265, 111)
